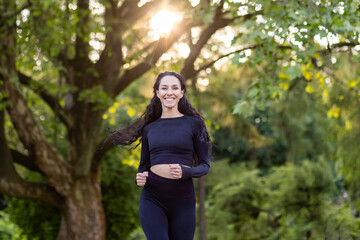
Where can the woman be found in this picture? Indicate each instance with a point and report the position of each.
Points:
(172, 133)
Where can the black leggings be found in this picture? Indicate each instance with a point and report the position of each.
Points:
(167, 209)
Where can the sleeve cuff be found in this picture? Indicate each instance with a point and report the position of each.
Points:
(186, 172)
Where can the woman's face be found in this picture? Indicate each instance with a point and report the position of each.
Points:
(169, 92)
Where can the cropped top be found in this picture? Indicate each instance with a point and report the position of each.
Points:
(175, 140)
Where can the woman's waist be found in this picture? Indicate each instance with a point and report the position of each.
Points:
(163, 170)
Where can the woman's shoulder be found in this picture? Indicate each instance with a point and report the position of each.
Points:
(195, 121)
(193, 118)
(148, 126)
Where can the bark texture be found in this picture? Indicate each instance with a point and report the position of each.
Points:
(82, 212)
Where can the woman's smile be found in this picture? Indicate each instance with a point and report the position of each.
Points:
(169, 92)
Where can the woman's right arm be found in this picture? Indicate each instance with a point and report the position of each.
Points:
(144, 166)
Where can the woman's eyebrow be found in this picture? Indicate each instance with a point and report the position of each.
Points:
(174, 85)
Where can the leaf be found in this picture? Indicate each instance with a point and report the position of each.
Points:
(242, 108)
(261, 106)
(353, 6)
(253, 92)
(294, 72)
(207, 18)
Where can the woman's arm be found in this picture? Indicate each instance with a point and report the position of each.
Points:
(201, 148)
(144, 165)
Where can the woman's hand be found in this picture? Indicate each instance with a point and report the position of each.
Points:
(175, 171)
(141, 178)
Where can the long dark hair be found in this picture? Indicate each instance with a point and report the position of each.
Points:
(130, 133)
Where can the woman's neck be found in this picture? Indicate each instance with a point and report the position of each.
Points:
(171, 113)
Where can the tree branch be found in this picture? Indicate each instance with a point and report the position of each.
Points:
(208, 65)
(150, 60)
(100, 152)
(62, 57)
(9, 15)
(336, 46)
(13, 185)
(218, 23)
(82, 46)
(111, 58)
(117, 22)
(46, 157)
(129, 12)
(24, 160)
(49, 99)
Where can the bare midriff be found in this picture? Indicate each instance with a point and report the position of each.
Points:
(163, 170)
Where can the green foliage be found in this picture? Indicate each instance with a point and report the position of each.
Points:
(3, 101)
(292, 38)
(37, 220)
(291, 202)
(97, 96)
(300, 121)
(8, 230)
(236, 148)
(120, 196)
(138, 234)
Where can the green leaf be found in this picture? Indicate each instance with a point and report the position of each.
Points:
(293, 72)
(253, 93)
(208, 18)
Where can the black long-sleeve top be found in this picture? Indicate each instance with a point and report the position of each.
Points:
(175, 140)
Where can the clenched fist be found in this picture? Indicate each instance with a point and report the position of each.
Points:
(141, 178)
(175, 171)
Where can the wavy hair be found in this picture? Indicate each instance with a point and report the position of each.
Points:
(130, 133)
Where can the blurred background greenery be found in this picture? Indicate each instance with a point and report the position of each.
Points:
(282, 110)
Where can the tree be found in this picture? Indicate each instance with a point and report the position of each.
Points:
(47, 47)
(291, 202)
(295, 42)
(308, 49)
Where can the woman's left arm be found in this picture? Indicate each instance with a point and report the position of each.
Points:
(201, 148)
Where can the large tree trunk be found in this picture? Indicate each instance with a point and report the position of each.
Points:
(83, 215)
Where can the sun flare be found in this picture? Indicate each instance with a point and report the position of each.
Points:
(163, 22)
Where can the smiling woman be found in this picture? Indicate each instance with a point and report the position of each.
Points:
(163, 22)
(175, 148)
(169, 93)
